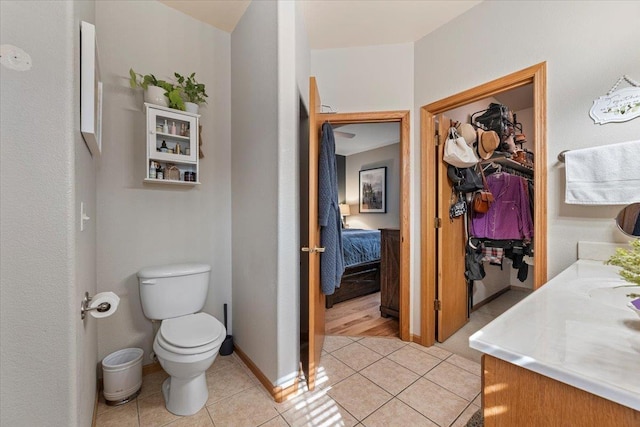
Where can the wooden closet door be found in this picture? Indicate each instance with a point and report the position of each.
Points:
(451, 285)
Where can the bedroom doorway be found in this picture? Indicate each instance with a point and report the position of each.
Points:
(396, 279)
(312, 301)
(366, 304)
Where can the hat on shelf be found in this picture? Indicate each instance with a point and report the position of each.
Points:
(467, 131)
(488, 142)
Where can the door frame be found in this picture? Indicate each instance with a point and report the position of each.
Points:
(535, 75)
(402, 117)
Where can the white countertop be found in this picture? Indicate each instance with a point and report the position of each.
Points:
(575, 329)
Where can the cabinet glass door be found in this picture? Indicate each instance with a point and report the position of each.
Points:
(172, 136)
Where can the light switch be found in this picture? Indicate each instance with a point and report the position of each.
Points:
(83, 216)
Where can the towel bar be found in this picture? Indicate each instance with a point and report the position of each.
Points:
(561, 156)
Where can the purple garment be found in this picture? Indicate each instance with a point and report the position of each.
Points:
(509, 216)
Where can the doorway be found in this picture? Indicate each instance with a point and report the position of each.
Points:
(315, 307)
(444, 308)
(402, 119)
(366, 303)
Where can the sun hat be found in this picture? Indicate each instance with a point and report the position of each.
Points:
(488, 141)
(467, 131)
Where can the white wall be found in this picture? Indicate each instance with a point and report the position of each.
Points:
(377, 78)
(85, 173)
(288, 297)
(388, 156)
(141, 225)
(269, 65)
(48, 355)
(587, 48)
(254, 182)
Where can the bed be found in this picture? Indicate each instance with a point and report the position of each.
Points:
(362, 265)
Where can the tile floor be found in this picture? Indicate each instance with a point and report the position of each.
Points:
(362, 381)
(458, 343)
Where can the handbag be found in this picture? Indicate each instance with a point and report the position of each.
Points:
(465, 180)
(457, 152)
(458, 205)
(482, 199)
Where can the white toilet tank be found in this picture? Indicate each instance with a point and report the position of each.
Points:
(173, 290)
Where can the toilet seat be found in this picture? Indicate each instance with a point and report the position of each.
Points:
(191, 334)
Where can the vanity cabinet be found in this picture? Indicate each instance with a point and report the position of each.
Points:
(172, 146)
(566, 355)
(389, 272)
(515, 396)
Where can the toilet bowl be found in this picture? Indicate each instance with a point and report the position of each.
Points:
(188, 341)
(186, 347)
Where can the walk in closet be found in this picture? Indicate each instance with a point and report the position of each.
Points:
(500, 241)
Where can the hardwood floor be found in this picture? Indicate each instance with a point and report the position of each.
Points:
(360, 317)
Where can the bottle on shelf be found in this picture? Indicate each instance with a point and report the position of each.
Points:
(152, 170)
(177, 150)
(165, 127)
(173, 128)
(163, 147)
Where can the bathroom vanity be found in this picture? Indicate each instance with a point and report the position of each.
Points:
(568, 354)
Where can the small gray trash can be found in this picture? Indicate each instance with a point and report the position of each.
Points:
(122, 375)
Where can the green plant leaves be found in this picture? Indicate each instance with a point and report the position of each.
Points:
(629, 260)
(185, 89)
(192, 91)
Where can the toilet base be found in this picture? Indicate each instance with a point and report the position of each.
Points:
(185, 396)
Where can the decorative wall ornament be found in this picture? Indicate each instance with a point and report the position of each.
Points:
(617, 105)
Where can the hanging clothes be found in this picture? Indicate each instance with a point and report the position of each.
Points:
(332, 259)
(509, 216)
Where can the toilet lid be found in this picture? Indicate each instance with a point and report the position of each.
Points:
(193, 330)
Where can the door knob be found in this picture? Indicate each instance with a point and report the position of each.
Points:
(316, 249)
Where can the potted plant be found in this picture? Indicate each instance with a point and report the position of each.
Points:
(629, 260)
(192, 92)
(158, 92)
(153, 91)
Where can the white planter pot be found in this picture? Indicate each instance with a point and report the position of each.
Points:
(191, 107)
(155, 95)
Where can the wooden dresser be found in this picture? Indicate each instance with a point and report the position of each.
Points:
(389, 272)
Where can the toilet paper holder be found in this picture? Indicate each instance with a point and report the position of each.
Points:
(84, 306)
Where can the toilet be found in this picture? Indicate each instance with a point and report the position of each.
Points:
(187, 341)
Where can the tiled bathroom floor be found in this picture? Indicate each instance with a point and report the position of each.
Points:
(362, 381)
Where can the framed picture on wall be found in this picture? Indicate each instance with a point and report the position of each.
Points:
(90, 90)
(373, 190)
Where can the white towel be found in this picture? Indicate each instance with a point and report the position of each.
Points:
(605, 175)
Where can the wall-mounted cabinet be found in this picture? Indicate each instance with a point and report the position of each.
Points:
(172, 146)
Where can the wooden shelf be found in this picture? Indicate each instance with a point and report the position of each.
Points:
(170, 181)
(172, 136)
(172, 158)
